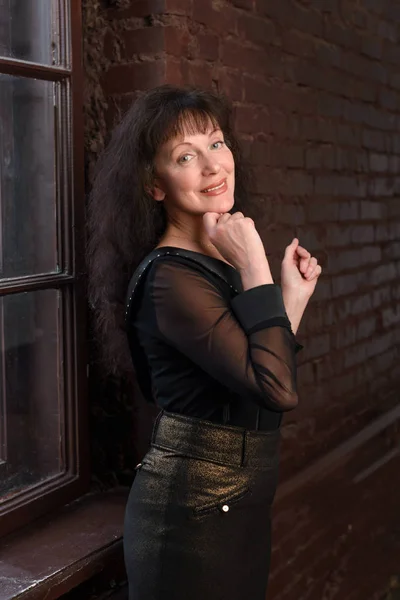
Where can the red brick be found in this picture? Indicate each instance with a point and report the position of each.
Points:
(383, 273)
(277, 11)
(381, 297)
(373, 139)
(174, 74)
(288, 13)
(178, 7)
(198, 73)
(321, 157)
(336, 185)
(294, 42)
(289, 214)
(149, 40)
(338, 236)
(178, 42)
(362, 234)
(380, 186)
(260, 153)
(389, 99)
(298, 183)
(348, 136)
(208, 45)
(388, 31)
(245, 4)
(138, 8)
(260, 32)
(329, 54)
(287, 155)
(234, 54)
(366, 91)
(345, 337)
(311, 239)
(394, 164)
(395, 80)
(317, 346)
(345, 260)
(349, 211)
(391, 53)
(366, 328)
(248, 120)
(258, 92)
(343, 36)
(121, 79)
(372, 46)
(221, 19)
(379, 162)
(283, 126)
(392, 251)
(231, 83)
(306, 19)
(391, 316)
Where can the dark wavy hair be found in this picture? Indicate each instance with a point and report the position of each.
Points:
(124, 222)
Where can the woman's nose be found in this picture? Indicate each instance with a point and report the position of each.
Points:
(211, 165)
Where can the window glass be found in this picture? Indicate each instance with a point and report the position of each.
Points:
(29, 30)
(32, 447)
(28, 224)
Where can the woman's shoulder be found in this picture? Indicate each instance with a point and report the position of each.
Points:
(176, 265)
(180, 262)
(168, 269)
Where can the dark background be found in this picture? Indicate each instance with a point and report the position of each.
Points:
(316, 90)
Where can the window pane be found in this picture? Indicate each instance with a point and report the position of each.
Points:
(29, 30)
(30, 391)
(28, 235)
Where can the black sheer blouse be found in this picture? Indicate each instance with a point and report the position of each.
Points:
(216, 352)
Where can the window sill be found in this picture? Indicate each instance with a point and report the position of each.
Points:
(63, 549)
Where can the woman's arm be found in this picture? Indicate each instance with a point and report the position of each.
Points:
(295, 308)
(244, 343)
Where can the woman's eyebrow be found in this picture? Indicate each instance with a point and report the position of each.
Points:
(190, 143)
(182, 144)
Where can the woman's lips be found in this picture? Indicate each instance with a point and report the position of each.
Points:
(216, 190)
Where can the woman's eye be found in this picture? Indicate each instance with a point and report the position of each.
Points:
(217, 145)
(184, 159)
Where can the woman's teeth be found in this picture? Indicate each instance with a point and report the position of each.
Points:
(217, 187)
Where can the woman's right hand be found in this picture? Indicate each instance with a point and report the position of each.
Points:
(237, 240)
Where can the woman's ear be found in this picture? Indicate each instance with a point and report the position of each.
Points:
(156, 192)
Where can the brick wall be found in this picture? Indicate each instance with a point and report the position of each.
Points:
(316, 90)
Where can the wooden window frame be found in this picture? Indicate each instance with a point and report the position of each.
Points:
(54, 492)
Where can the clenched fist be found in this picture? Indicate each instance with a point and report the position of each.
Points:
(236, 238)
(299, 271)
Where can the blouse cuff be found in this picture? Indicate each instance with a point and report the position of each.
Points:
(256, 306)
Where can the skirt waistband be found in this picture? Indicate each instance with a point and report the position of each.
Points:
(222, 444)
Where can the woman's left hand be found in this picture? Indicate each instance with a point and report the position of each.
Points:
(299, 271)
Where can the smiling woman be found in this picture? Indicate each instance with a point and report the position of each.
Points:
(210, 341)
(195, 174)
(199, 165)
(124, 221)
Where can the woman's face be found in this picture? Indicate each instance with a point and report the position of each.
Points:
(195, 174)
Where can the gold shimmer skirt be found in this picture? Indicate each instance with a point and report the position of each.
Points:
(197, 522)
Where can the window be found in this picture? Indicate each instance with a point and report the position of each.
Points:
(43, 433)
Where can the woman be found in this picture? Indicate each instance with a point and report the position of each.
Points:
(212, 340)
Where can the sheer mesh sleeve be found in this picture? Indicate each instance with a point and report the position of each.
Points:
(245, 343)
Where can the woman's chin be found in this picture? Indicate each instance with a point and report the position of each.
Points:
(222, 205)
